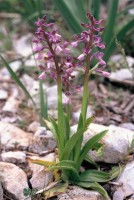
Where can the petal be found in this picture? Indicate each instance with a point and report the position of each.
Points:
(70, 70)
(42, 76)
(105, 74)
(102, 62)
(68, 100)
(39, 56)
(81, 57)
(74, 44)
(58, 49)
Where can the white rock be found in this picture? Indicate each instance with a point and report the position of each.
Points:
(116, 142)
(131, 11)
(41, 178)
(23, 45)
(77, 193)
(130, 61)
(52, 97)
(3, 94)
(1, 192)
(33, 126)
(13, 180)
(14, 157)
(4, 75)
(90, 113)
(30, 63)
(32, 86)
(15, 92)
(126, 180)
(11, 135)
(116, 58)
(11, 105)
(15, 65)
(43, 140)
(27, 81)
(10, 119)
(122, 74)
(128, 125)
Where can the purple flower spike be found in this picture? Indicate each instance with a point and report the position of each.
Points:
(56, 53)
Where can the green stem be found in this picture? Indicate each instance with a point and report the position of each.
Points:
(61, 122)
(85, 98)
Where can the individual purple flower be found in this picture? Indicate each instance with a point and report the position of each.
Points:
(81, 57)
(58, 49)
(39, 56)
(74, 44)
(42, 76)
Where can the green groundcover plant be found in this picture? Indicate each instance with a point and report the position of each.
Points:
(56, 61)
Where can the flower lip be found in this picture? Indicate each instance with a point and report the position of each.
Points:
(42, 76)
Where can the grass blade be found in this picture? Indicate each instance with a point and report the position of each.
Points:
(17, 80)
(80, 10)
(120, 35)
(55, 131)
(94, 186)
(108, 32)
(71, 144)
(90, 144)
(65, 8)
(69, 167)
(96, 8)
(94, 176)
(43, 103)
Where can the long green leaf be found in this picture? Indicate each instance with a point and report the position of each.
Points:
(120, 35)
(90, 144)
(96, 8)
(17, 80)
(61, 119)
(71, 144)
(51, 127)
(94, 186)
(77, 149)
(108, 32)
(88, 159)
(94, 176)
(89, 121)
(69, 167)
(79, 4)
(65, 8)
(67, 127)
(43, 102)
(55, 131)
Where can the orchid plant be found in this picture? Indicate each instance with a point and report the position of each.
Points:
(56, 61)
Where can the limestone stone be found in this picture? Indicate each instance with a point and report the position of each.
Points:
(126, 182)
(14, 156)
(43, 140)
(11, 135)
(41, 178)
(116, 142)
(77, 193)
(13, 180)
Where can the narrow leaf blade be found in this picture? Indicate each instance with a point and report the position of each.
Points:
(16, 79)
